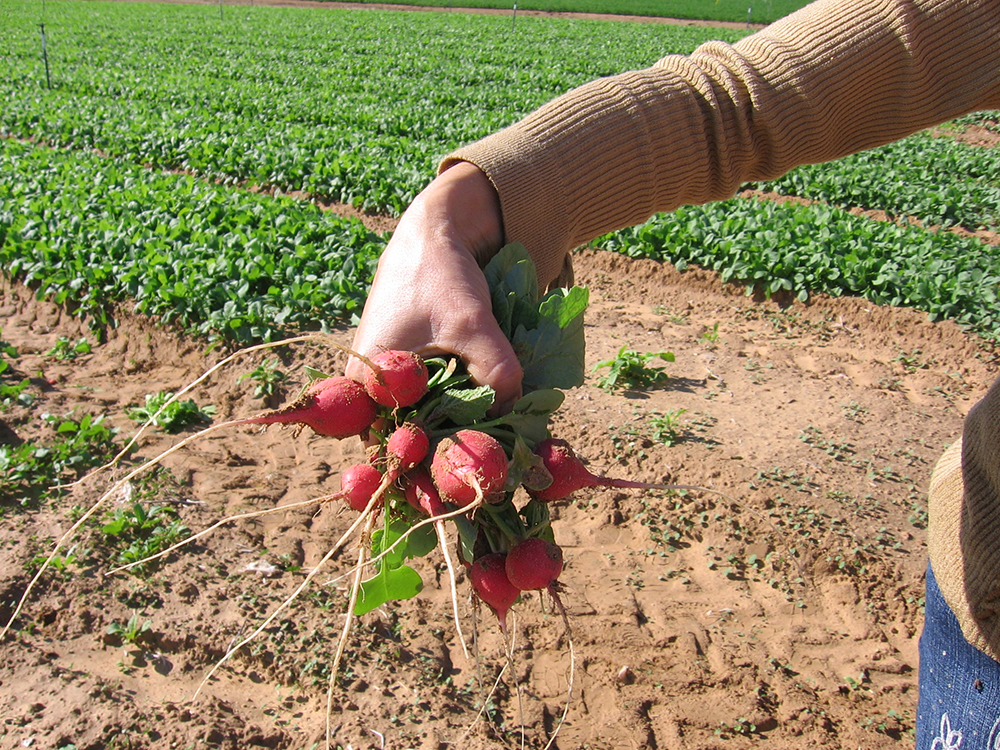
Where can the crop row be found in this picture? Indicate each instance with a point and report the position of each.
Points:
(357, 107)
(789, 248)
(935, 180)
(93, 233)
(739, 11)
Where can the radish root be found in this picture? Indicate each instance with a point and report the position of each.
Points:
(361, 519)
(223, 522)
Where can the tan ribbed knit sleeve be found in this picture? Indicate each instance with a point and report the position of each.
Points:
(836, 77)
(963, 535)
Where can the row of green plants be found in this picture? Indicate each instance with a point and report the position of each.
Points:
(937, 181)
(735, 11)
(178, 87)
(286, 97)
(356, 107)
(94, 233)
(806, 249)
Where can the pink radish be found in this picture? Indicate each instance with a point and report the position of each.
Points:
(466, 459)
(399, 378)
(533, 564)
(489, 580)
(358, 484)
(569, 474)
(421, 493)
(336, 407)
(407, 446)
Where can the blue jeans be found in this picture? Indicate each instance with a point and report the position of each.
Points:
(959, 703)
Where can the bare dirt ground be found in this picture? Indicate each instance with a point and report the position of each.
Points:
(790, 618)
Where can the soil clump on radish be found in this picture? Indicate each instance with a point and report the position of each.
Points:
(826, 417)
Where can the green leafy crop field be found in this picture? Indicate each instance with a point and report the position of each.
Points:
(357, 107)
(736, 11)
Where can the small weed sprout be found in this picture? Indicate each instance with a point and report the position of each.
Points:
(171, 417)
(711, 335)
(141, 533)
(65, 349)
(630, 369)
(132, 632)
(12, 392)
(666, 427)
(267, 379)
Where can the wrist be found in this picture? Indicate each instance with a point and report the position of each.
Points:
(465, 207)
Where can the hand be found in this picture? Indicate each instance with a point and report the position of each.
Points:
(430, 296)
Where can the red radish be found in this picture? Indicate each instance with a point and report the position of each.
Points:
(466, 455)
(336, 407)
(569, 474)
(400, 378)
(489, 581)
(359, 483)
(533, 564)
(421, 493)
(407, 446)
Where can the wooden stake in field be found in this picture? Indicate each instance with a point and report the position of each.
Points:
(45, 57)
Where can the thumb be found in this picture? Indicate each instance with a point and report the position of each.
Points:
(490, 360)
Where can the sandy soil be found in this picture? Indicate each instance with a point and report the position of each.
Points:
(791, 615)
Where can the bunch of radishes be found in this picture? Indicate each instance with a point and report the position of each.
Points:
(436, 454)
(433, 453)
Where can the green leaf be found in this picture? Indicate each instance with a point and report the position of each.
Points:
(530, 416)
(467, 534)
(513, 287)
(552, 355)
(389, 584)
(394, 580)
(464, 405)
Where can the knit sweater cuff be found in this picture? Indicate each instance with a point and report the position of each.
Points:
(964, 524)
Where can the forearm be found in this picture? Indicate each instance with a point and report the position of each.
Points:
(837, 77)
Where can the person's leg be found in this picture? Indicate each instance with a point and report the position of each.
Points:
(959, 702)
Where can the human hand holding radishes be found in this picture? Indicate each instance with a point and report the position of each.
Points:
(430, 296)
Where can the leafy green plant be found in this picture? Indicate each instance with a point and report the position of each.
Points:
(666, 427)
(171, 416)
(65, 349)
(785, 249)
(11, 392)
(136, 533)
(740, 726)
(133, 632)
(59, 562)
(267, 379)
(630, 369)
(31, 471)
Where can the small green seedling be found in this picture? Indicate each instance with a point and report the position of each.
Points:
(132, 632)
(12, 392)
(65, 349)
(139, 533)
(666, 427)
(630, 369)
(267, 378)
(175, 416)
